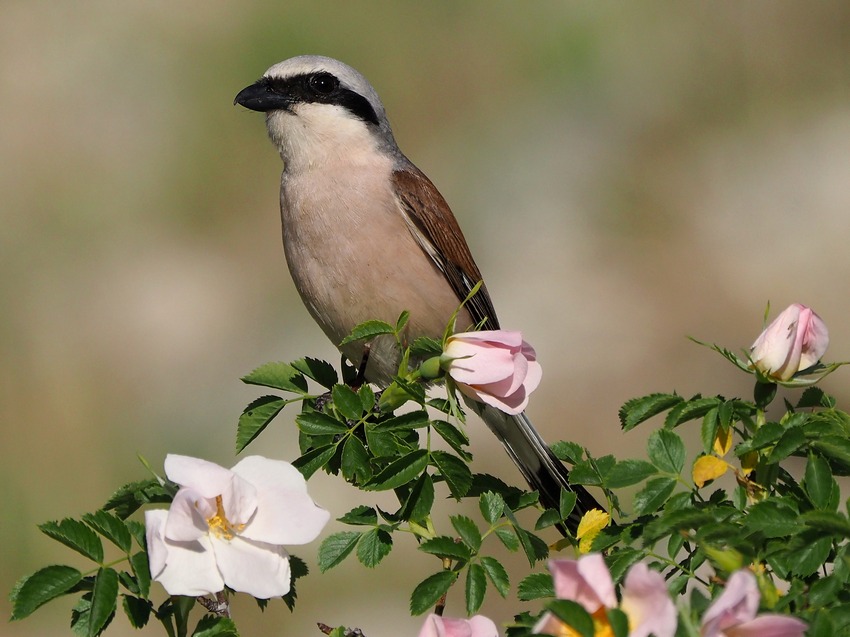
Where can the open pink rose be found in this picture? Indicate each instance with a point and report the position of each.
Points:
(646, 601)
(495, 367)
(795, 340)
(478, 626)
(733, 613)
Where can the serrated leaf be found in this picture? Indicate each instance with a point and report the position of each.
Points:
(298, 569)
(628, 472)
(829, 521)
(137, 530)
(336, 548)
(373, 547)
(456, 439)
(418, 504)
(467, 530)
(571, 452)
(491, 505)
(367, 330)
(314, 423)
(314, 460)
(360, 515)
(455, 471)
(347, 402)
(444, 546)
(806, 559)
(80, 616)
(424, 347)
(399, 472)
(75, 535)
(792, 440)
(497, 575)
(277, 376)
(317, 370)
(142, 571)
(355, 461)
(127, 499)
(690, 410)
(653, 496)
(836, 448)
(666, 451)
(619, 622)
(110, 527)
(549, 517)
(507, 537)
(708, 429)
(566, 503)
(39, 588)
(707, 468)
(367, 398)
(430, 590)
(213, 626)
(585, 473)
(476, 587)
(811, 397)
(535, 586)
(819, 484)
(639, 410)
(410, 420)
(104, 600)
(621, 560)
(138, 610)
(255, 418)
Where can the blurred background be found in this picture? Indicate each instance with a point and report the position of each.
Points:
(626, 175)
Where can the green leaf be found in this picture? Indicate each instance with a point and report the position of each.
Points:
(137, 530)
(773, 519)
(355, 461)
(811, 397)
(791, 441)
(39, 588)
(373, 547)
(836, 448)
(765, 436)
(428, 592)
(455, 471)
(584, 472)
(418, 504)
(360, 515)
(315, 423)
(619, 622)
(507, 536)
(829, 521)
(399, 472)
(476, 587)
(497, 574)
(347, 402)
(573, 615)
(567, 503)
(127, 500)
(708, 430)
(666, 451)
(104, 600)
(278, 376)
(367, 330)
(628, 472)
(317, 370)
(403, 318)
(549, 517)
(571, 452)
(298, 569)
(410, 420)
(456, 439)
(336, 548)
(621, 560)
(314, 460)
(444, 547)
(467, 530)
(807, 558)
(367, 398)
(81, 614)
(110, 527)
(491, 505)
(142, 571)
(75, 535)
(138, 610)
(213, 626)
(255, 418)
(535, 586)
(653, 496)
(639, 410)
(425, 347)
(690, 410)
(819, 484)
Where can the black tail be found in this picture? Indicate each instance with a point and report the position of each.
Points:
(532, 456)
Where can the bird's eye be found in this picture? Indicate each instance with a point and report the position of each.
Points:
(323, 83)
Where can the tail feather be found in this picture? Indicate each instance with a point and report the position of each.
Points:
(543, 471)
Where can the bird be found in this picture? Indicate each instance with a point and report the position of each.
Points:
(367, 236)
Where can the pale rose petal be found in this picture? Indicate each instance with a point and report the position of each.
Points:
(815, 341)
(511, 405)
(208, 478)
(769, 625)
(647, 603)
(585, 581)
(188, 515)
(240, 500)
(549, 624)
(532, 376)
(509, 385)
(478, 626)
(286, 514)
(183, 568)
(508, 338)
(737, 604)
(479, 363)
(778, 349)
(482, 627)
(256, 568)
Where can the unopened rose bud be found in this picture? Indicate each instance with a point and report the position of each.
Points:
(430, 369)
(794, 341)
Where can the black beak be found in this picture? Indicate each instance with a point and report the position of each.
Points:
(260, 97)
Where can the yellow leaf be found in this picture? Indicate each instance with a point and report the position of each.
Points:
(589, 527)
(708, 468)
(748, 462)
(723, 441)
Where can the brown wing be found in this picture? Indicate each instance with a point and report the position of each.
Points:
(436, 230)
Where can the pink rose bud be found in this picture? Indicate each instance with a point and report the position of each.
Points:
(794, 341)
(495, 367)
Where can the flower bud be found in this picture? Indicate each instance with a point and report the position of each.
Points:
(794, 341)
(430, 369)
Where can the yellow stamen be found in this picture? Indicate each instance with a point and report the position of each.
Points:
(220, 526)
